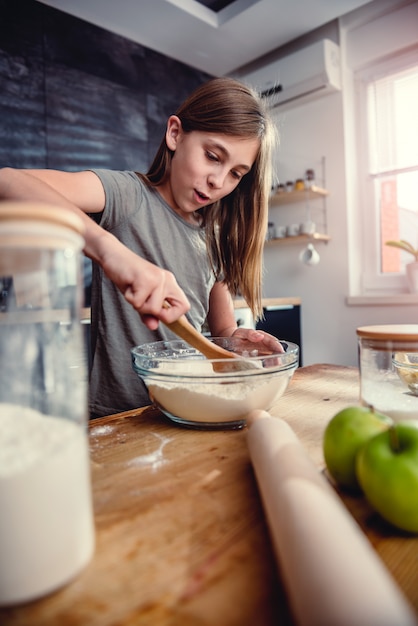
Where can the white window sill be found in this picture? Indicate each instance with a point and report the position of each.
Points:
(393, 300)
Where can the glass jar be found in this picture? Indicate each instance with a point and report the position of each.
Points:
(388, 362)
(46, 520)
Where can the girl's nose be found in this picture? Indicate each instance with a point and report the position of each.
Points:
(216, 180)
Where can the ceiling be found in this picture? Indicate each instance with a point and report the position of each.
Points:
(214, 36)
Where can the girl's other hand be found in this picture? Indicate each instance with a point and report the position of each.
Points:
(267, 344)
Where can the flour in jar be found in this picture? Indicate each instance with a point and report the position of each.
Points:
(46, 521)
(215, 401)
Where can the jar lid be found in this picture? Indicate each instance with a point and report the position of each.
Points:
(40, 212)
(394, 332)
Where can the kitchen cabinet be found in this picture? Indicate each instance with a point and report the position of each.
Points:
(283, 321)
(305, 198)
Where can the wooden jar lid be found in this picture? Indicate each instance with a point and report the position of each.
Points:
(389, 332)
(41, 212)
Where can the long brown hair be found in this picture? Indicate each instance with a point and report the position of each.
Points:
(236, 225)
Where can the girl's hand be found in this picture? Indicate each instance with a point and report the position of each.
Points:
(144, 285)
(266, 343)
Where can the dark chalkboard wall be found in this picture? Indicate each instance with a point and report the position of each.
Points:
(75, 96)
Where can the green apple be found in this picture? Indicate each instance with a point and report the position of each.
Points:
(344, 435)
(387, 470)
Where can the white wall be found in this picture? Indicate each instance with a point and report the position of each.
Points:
(309, 132)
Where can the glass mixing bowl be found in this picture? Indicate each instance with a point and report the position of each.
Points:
(182, 383)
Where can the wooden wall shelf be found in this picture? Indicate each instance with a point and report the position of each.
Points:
(303, 195)
(315, 237)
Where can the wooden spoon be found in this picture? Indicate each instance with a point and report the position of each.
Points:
(186, 331)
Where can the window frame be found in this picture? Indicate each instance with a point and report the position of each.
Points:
(373, 281)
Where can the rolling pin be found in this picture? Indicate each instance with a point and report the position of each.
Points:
(332, 575)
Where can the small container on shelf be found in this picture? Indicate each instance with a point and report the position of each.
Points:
(280, 232)
(309, 178)
(292, 230)
(307, 227)
(271, 231)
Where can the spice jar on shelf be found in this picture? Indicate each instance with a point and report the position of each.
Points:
(309, 178)
(47, 531)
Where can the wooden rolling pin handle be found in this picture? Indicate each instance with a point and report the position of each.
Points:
(332, 574)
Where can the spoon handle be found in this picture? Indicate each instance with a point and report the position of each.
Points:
(186, 331)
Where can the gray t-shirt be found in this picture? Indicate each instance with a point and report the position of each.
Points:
(140, 218)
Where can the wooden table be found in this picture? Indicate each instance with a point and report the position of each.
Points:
(181, 534)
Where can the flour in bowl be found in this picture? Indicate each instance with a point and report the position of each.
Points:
(214, 401)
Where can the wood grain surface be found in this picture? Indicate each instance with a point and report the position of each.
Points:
(181, 533)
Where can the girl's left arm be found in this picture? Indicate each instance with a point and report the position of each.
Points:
(221, 318)
(222, 323)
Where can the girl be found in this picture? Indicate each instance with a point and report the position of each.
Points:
(191, 231)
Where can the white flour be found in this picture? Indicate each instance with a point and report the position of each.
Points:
(46, 520)
(391, 398)
(215, 402)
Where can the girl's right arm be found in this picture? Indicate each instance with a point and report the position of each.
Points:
(144, 285)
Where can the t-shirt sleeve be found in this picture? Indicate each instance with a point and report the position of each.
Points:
(123, 193)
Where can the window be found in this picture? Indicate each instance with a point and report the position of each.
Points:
(387, 110)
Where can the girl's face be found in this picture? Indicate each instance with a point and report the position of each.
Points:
(205, 167)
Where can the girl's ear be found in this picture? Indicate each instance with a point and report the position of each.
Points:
(173, 132)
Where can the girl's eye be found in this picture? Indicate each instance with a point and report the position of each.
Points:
(236, 174)
(211, 156)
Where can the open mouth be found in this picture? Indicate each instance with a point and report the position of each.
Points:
(201, 196)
